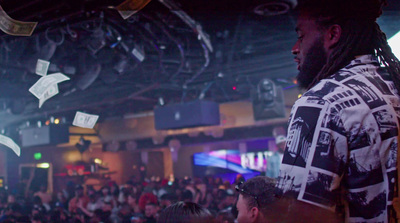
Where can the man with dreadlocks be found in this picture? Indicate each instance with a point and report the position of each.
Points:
(341, 149)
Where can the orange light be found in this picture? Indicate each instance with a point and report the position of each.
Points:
(47, 122)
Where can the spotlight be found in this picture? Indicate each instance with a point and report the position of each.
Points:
(83, 144)
(266, 90)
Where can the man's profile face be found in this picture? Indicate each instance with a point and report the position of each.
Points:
(310, 53)
(243, 211)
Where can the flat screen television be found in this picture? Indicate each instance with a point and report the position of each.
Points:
(228, 163)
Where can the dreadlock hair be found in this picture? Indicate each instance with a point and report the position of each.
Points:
(360, 34)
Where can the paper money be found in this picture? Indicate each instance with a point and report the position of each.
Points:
(42, 66)
(85, 120)
(10, 144)
(51, 92)
(129, 7)
(46, 82)
(15, 27)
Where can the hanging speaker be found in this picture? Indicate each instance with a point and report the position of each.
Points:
(45, 135)
(186, 115)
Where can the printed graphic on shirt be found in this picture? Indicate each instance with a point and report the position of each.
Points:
(333, 122)
(387, 123)
(370, 97)
(289, 181)
(342, 74)
(315, 100)
(361, 135)
(380, 85)
(395, 103)
(327, 156)
(300, 136)
(321, 91)
(367, 203)
(364, 168)
(341, 95)
(318, 189)
(392, 156)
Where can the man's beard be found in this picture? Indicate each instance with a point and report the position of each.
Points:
(314, 61)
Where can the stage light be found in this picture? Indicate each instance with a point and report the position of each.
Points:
(43, 165)
(266, 90)
(394, 43)
(268, 102)
(37, 156)
(234, 88)
(56, 121)
(83, 145)
(47, 122)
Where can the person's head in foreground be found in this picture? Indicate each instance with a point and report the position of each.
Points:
(332, 33)
(255, 199)
(185, 212)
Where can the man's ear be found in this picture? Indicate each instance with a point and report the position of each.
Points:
(332, 36)
(254, 212)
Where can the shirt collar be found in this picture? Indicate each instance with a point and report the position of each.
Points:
(365, 59)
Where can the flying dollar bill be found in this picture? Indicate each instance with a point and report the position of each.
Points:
(51, 92)
(129, 7)
(15, 27)
(10, 144)
(85, 120)
(46, 82)
(42, 66)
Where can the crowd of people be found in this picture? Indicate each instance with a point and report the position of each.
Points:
(133, 202)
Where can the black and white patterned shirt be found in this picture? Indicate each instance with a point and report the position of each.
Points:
(341, 148)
